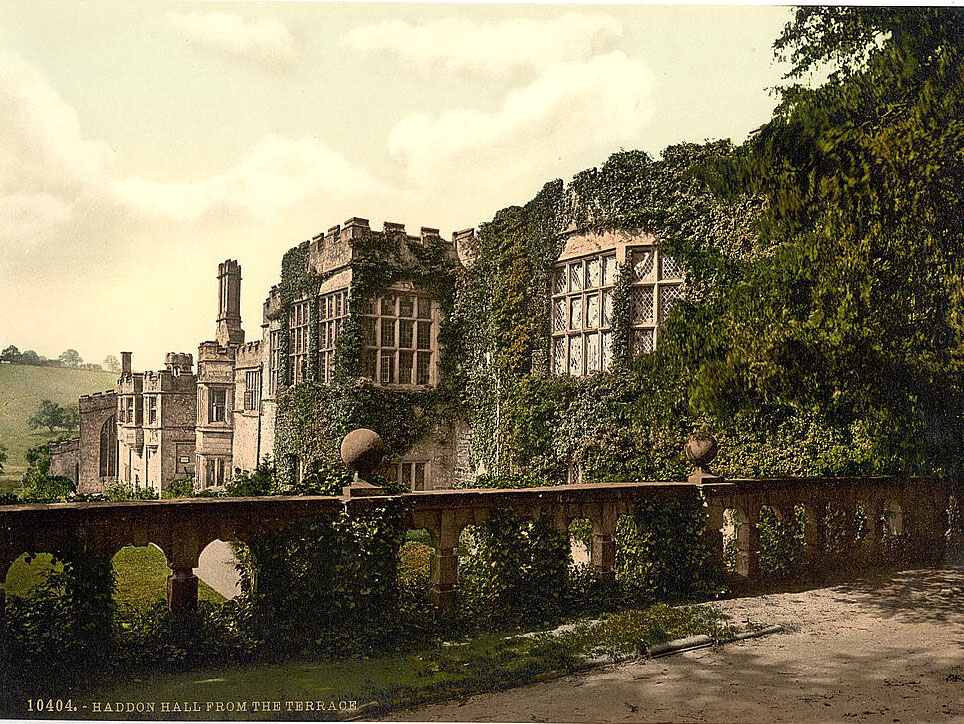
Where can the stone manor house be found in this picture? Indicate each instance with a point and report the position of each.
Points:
(175, 422)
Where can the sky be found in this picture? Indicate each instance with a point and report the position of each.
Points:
(143, 142)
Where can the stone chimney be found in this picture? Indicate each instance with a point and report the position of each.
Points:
(229, 304)
(125, 363)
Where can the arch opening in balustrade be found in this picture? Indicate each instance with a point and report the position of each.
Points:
(26, 575)
(580, 531)
(416, 558)
(861, 523)
(218, 567)
(954, 531)
(837, 533)
(781, 539)
(735, 532)
(140, 576)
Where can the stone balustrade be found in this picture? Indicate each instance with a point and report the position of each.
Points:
(915, 508)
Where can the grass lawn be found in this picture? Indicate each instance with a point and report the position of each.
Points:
(141, 577)
(446, 671)
(22, 387)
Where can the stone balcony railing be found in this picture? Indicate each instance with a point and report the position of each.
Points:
(915, 508)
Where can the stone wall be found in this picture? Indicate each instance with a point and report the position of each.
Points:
(65, 460)
(95, 411)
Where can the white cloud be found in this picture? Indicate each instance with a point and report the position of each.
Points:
(456, 44)
(276, 174)
(264, 40)
(599, 103)
(46, 164)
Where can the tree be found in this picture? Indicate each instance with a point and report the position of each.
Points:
(29, 357)
(71, 358)
(3, 457)
(111, 363)
(10, 354)
(855, 314)
(52, 416)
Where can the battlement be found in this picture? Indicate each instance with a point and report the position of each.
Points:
(106, 400)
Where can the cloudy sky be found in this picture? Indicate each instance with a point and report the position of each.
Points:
(142, 143)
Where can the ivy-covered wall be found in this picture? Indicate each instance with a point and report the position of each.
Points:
(312, 416)
(628, 423)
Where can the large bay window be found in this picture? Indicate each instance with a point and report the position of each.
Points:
(399, 336)
(582, 306)
(332, 309)
(299, 318)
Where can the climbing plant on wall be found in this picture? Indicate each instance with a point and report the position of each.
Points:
(313, 416)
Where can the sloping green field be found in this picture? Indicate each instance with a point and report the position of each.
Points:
(22, 387)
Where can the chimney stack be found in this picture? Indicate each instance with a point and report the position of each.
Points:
(125, 363)
(229, 304)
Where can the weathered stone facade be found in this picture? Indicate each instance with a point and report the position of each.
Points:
(172, 424)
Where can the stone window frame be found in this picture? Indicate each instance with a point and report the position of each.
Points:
(332, 311)
(413, 473)
(573, 290)
(386, 342)
(662, 274)
(299, 332)
(217, 408)
(656, 275)
(252, 389)
(274, 360)
(150, 409)
(215, 471)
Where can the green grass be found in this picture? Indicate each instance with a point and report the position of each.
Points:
(22, 387)
(141, 577)
(484, 663)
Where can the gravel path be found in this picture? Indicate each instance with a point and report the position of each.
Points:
(885, 649)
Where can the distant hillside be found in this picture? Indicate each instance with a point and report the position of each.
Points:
(22, 387)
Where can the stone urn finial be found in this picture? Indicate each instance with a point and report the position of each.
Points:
(700, 450)
(362, 451)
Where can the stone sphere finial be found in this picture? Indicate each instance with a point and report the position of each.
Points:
(700, 450)
(362, 450)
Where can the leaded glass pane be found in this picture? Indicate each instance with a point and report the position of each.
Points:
(669, 268)
(642, 305)
(424, 335)
(419, 477)
(405, 360)
(642, 341)
(368, 331)
(387, 332)
(575, 355)
(559, 281)
(424, 308)
(369, 306)
(592, 273)
(406, 305)
(607, 350)
(387, 367)
(592, 352)
(607, 308)
(406, 333)
(368, 363)
(592, 311)
(642, 261)
(559, 355)
(575, 312)
(575, 276)
(423, 368)
(559, 315)
(668, 296)
(406, 474)
(388, 304)
(608, 270)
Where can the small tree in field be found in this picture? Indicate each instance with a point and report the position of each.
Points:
(111, 364)
(71, 358)
(52, 416)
